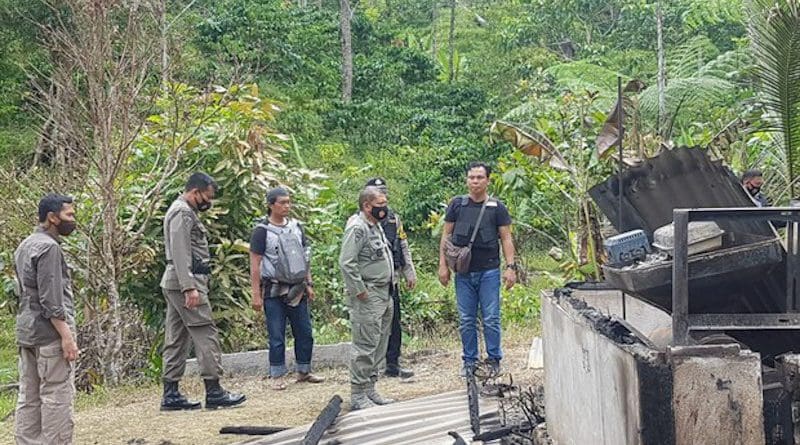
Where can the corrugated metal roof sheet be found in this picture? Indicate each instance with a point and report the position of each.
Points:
(424, 420)
(673, 179)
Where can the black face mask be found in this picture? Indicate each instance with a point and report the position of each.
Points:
(380, 213)
(65, 228)
(203, 206)
(754, 190)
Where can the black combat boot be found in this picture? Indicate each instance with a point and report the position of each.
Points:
(173, 400)
(217, 397)
(394, 370)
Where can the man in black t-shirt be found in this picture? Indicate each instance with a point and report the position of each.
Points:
(480, 286)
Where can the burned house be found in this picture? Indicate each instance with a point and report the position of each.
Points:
(680, 348)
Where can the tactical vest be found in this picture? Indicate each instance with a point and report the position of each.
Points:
(487, 237)
(390, 230)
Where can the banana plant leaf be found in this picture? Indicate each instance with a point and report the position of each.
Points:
(530, 142)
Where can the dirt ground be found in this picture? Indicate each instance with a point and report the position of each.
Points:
(130, 416)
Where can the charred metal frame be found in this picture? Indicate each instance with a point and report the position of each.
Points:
(683, 322)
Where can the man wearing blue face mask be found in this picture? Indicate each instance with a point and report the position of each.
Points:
(185, 285)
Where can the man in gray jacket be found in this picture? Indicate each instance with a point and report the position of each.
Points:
(185, 285)
(45, 329)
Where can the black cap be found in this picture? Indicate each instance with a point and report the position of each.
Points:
(376, 182)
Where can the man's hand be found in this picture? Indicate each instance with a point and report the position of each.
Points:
(510, 277)
(310, 293)
(362, 296)
(444, 275)
(411, 284)
(257, 303)
(192, 299)
(70, 349)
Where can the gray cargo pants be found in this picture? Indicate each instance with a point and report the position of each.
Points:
(185, 326)
(371, 323)
(46, 392)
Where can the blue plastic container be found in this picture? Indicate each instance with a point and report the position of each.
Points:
(626, 248)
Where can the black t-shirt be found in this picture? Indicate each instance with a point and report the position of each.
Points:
(482, 258)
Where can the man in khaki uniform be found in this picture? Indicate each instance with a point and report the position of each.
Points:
(45, 329)
(368, 270)
(185, 286)
(403, 266)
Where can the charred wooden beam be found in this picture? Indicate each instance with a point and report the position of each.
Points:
(324, 421)
(488, 436)
(252, 430)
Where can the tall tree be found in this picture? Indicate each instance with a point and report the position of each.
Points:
(662, 71)
(451, 73)
(104, 57)
(434, 19)
(345, 16)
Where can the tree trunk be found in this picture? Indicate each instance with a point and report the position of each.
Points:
(662, 72)
(347, 50)
(451, 75)
(434, 19)
(162, 23)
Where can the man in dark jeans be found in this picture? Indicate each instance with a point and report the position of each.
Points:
(403, 265)
(282, 301)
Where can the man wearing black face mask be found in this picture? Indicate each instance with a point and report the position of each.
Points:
(185, 286)
(403, 266)
(752, 181)
(45, 329)
(368, 271)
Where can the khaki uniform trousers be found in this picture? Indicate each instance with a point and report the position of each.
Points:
(371, 323)
(185, 326)
(46, 393)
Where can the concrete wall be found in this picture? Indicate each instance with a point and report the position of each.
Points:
(643, 316)
(605, 387)
(591, 384)
(717, 396)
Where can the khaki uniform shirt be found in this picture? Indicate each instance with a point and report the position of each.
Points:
(185, 240)
(366, 258)
(44, 287)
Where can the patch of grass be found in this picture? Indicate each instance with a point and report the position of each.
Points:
(8, 351)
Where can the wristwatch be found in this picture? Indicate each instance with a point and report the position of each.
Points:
(512, 266)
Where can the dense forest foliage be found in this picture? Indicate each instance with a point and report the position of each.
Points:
(115, 102)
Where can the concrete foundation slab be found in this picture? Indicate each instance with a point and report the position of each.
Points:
(255, 363)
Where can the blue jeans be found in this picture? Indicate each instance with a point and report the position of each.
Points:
(474, 290)
(277, 312)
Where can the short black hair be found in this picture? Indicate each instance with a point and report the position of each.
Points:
(479, 164)
(752, 173)
(200, 181)
(52, 202)
(273, 195)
